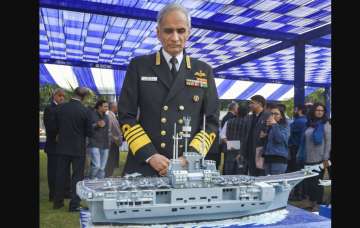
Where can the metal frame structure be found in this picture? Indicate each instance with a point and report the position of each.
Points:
(313, 37)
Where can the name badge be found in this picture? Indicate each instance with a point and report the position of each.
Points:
(149, 79)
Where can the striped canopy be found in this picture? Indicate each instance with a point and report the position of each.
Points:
(249, 43)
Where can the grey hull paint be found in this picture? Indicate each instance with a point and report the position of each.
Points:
(199, 194)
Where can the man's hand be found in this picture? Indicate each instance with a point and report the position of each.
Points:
(270, 121)
(262, 134)
(183, 161)
(101, 123)
(160, 163)
(326, 164)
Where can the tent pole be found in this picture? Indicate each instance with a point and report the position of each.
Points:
(299, 77)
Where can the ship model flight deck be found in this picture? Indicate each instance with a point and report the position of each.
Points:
(195, 192)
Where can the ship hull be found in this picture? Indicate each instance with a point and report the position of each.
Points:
(190, 213)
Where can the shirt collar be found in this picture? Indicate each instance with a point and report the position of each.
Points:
(76, 99)
(167, 57)
(55, 102)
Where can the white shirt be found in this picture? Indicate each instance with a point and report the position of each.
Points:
(167, 57)
(223, 131)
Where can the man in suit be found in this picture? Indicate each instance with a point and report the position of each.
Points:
(161, 89)
(232, 112)
(73, 125)
(57, 98)
(253, 125)
(115, 140)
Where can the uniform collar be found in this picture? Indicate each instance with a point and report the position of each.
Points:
(167, 57)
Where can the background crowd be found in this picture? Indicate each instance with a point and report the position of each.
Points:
(256, 139)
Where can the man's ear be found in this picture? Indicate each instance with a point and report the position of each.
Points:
(158, 33)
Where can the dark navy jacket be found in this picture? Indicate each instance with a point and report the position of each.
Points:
(296, 130)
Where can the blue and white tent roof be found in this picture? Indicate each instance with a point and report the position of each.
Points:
(242, 39)
(109, 81)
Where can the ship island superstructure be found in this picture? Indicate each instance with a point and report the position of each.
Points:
(194, 192)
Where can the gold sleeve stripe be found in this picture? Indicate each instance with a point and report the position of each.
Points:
(135, 136)
(212, 137)
(125, 127)
(204, 134)
(128, 137)
(139, 142)
(198, 137)
(137, 126)
(196, 144)
(206, 137)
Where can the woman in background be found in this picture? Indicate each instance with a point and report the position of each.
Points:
(276, 150)
(315, 151)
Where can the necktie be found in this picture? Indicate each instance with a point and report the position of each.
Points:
(173, 62)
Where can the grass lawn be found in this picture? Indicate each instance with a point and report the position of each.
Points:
(60, 218)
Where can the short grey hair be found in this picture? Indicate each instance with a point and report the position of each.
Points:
(170, 7)
(56, 91)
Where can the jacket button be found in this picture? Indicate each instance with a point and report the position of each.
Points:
(165, 108)
(162, 145)
(163, 133)
(181, 107)
(163, 120)
(180, 121)
(196, 98)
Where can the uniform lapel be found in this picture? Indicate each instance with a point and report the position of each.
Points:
(162, 71)
(179, 82)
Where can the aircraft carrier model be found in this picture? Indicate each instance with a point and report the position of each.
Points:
(195, 192)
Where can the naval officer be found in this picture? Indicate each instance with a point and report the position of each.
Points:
(159, 90)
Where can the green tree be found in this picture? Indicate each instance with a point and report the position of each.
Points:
(46, 92)
(316, 96)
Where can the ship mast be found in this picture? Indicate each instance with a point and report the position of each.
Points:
(174, 146)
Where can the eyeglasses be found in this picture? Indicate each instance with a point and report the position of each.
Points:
(319, 110)
(275, 113)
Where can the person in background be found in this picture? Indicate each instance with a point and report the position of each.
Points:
(73, 125)
(232, 112)
(314, 150)
(254, 123)
(276, 150)
(297, 128)
(259, 159)
(115, 140)
(57, 98)
(233, 130)
(99, 143)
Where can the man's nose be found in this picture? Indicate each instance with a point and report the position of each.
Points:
(175, 36)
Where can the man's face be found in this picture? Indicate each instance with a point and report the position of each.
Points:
(236, 109)
(114, 108)
(59, 97)
(104, 108)
(254, 105)
(173, 32)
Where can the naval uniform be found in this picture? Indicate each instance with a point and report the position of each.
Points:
(151, 102)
